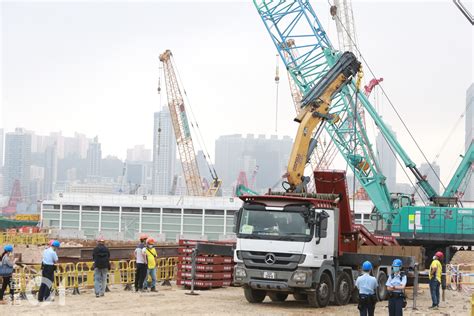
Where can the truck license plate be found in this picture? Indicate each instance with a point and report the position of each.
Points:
(268, 275)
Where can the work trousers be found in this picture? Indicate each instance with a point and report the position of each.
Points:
(434, 290)
(7, 281)
(46, 282)
(140, 275)
(366, 304)
(367, 309)
(152, 274)
(395, 306)
(100, 280)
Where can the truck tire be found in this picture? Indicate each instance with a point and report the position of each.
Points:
(277, 296)
(355, 296)
(343, 289)
(254, 296)
(322, 295)
(382, 289)
(300, 296)
(312, 299)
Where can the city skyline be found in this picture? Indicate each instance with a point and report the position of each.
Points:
(119, 79)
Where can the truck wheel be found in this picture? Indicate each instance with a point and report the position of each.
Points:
(254, 296)
(300, 296)
(322, 295)
(343, 289)
(277, 296)
(355, 296)
(312, 299)
(382, 289)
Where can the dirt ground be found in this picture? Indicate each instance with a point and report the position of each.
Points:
(224, 301)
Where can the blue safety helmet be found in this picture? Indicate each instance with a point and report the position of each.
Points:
(366, 266)
(8, 248)
(56, 243)
(397, 263)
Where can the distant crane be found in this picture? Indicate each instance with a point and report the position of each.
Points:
(15, 198)
(182, 132)
(253, 178)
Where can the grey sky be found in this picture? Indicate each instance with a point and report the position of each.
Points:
(92, 67)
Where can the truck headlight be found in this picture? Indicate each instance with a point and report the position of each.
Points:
(240, 272)
(299, 276)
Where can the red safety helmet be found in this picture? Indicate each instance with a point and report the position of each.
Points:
(143, 236)
(439, 254)
(150, 241)
(50, 243)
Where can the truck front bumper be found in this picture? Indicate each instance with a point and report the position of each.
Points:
(261, 279)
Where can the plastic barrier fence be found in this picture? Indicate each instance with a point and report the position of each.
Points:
(23, 239)
(79, 276)
(460, 277)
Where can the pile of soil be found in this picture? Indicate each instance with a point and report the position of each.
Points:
(463, 257)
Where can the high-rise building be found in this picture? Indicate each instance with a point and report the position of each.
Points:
(387, 160)
(138, 173)
(1, 149)
(164, 152)
(36, 185)
(432, 174)
(50, 170)
(94, 157)
(138, 153)
(202, 165)
(17, 161)
(235, 153)
(82, 144)
(58, 139)
(76, 146)
(469, 193)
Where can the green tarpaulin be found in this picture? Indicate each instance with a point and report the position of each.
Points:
(6, 223)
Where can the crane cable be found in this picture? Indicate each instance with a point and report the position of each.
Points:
(198, 130)
(383, 92)
(450, 134)
(390, 102)
(160, 113)
(277, 81)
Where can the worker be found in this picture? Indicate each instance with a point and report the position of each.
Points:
(367, 285)
(141, 265)
(435, 278)
(101, 258)
(6, 272)
(50, 257)
(151, 256)
(396, 289)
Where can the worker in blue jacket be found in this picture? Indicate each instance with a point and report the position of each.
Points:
(396, 288)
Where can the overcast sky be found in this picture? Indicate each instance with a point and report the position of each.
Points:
(92, 67)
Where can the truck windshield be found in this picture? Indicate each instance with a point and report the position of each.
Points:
(274, 225)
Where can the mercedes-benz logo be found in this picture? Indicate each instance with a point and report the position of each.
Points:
(270, 258)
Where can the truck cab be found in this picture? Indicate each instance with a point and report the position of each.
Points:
(288, 245)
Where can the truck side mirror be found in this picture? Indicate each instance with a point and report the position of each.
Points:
(236, 219)
(323, 224)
